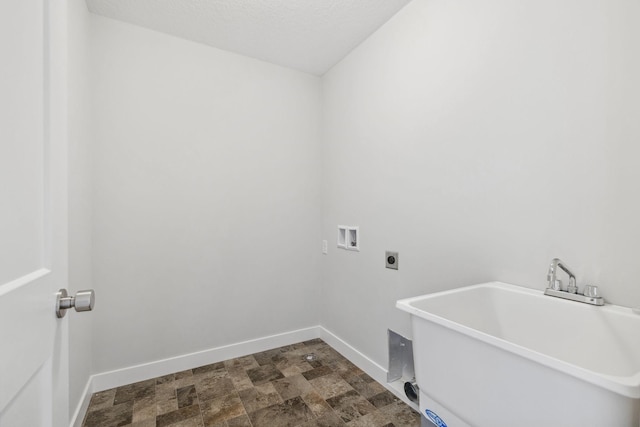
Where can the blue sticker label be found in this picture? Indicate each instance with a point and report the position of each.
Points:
(435, 418)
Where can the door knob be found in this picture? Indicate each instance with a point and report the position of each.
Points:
(83, 301)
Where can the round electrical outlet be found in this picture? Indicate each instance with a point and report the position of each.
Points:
(391, 260)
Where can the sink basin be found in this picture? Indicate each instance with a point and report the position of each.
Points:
(497, 354)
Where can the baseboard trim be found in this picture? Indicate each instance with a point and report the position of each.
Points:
(356, 357)
(144, 371)
(78, 415)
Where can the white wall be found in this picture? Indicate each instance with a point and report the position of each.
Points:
(480, 140)
(80, 197)
(206, 193)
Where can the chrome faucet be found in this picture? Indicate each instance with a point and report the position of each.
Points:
(554, 287)
(556, 284)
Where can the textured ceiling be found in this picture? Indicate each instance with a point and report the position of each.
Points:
(308, 35)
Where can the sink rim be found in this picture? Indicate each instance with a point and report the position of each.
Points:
(628, 386)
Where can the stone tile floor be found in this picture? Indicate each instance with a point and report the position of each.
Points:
(269, 389)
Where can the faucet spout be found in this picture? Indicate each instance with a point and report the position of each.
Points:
(551, 275)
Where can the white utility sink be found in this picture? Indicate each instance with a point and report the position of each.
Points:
(495, 354)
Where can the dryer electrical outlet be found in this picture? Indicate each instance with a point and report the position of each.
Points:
(391, 260)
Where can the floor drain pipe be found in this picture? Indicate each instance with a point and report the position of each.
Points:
(411, 390)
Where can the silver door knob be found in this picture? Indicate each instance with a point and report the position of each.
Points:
(83, 301)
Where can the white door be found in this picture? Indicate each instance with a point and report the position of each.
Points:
(33, 247)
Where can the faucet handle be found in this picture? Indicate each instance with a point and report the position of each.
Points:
(591, 291)
(556, 285)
